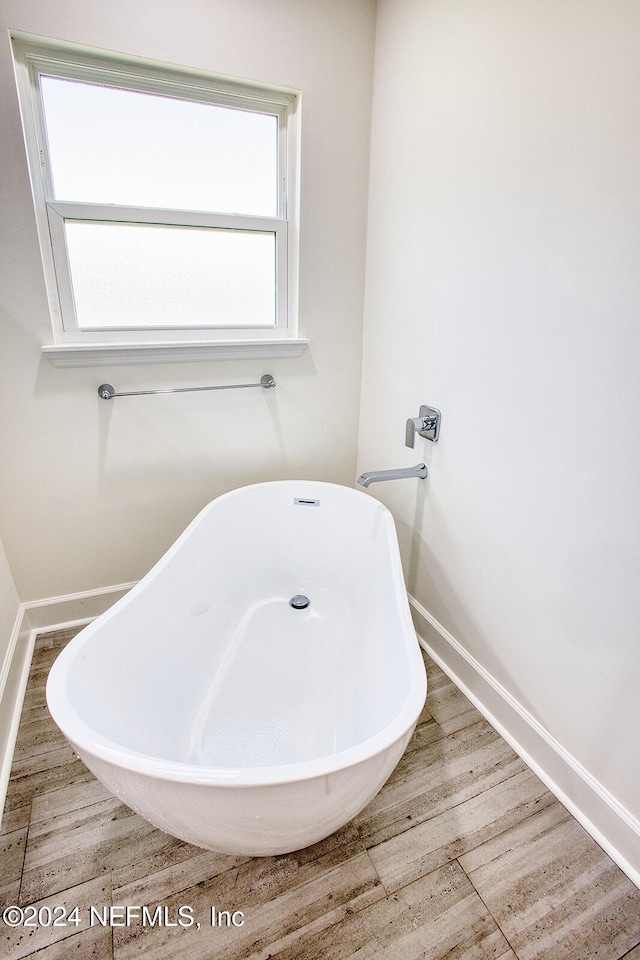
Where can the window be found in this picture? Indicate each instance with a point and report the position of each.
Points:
(166, 207)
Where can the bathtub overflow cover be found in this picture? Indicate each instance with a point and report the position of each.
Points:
(299, 602)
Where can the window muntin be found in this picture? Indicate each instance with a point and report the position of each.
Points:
(219, 213)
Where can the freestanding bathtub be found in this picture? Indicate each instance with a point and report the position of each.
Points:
(227, 716)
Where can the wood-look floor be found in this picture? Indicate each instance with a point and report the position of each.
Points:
(464, 854)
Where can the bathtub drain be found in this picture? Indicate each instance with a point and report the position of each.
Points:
(299, 602)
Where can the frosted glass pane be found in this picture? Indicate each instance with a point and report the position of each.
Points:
(148, 275)
(137, 149)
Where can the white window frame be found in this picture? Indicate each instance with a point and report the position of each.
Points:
(73, 346)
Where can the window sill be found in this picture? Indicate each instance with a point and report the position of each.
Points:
(117, 354)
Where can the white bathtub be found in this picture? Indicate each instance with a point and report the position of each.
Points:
(222, 714)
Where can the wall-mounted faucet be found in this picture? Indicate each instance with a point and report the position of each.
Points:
(375, 476)
(427, 425)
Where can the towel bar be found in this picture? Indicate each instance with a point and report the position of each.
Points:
(107, 392)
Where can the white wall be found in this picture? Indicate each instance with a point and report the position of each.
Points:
(9, 607)
(91, 493)
(503, 287)
(15, 649)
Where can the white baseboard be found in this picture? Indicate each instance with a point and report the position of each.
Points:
(613, 827)
(608, 822)
(57, 612)
(32, 618)
(14, 673)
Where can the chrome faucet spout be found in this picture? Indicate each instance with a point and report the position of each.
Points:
(375, 476)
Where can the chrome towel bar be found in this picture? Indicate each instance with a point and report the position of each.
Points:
(107, 392)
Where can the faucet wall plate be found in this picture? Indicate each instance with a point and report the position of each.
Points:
(427, 425)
